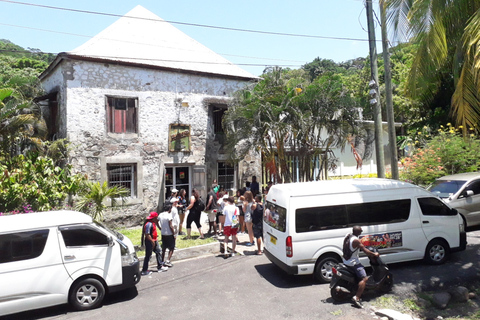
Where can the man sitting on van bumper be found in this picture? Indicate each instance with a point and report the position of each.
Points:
(351, 250)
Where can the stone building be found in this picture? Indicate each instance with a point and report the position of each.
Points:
(142, 104)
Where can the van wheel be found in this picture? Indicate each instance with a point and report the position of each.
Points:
(86, 294)
(323, 268)
(436, 252)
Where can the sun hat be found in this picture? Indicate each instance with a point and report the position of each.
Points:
(225, 196)
(174, 199)
(174, 190)
(152, 215)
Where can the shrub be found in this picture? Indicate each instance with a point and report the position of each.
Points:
(447, 152)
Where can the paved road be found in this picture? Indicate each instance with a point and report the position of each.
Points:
(249, 287)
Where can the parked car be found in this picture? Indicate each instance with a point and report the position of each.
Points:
(50, 258)
(462, 192)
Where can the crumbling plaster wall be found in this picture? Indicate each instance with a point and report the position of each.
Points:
(83, 88)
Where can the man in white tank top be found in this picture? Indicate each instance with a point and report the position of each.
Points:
(353, 261)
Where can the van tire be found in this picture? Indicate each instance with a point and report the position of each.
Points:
(86, 294)
(437, 252)
(323, 268)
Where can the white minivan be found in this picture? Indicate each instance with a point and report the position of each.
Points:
(51, 258)
(305, 223)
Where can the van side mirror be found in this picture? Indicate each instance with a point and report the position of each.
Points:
(469, 193)
(110, 242)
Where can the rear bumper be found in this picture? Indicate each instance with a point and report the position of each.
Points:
(463, 243)
(288, 269)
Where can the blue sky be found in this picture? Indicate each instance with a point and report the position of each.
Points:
(65, 30)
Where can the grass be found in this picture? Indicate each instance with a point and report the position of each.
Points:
(135, 235)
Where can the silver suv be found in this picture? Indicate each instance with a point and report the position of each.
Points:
(462, 192)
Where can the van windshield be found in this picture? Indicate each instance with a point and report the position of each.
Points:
(275, 216)
(446, 188)
(118, 234)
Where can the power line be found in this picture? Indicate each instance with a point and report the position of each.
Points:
(188, 24)
(149, 44)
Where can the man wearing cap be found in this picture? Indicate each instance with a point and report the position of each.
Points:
(151, 244)
(168, 233)
(211, 210)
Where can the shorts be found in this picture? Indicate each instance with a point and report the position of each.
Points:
(168, 242)
(359, 271)
(229, 231)
(258, 230)
(248, 217)
(212, 214)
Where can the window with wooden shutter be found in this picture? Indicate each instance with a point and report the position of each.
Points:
(122, 115)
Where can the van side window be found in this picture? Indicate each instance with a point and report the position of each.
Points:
(22, 245)
(473, 186)
(275, 216)
(341, 216)
(79, 236)
(435, 207)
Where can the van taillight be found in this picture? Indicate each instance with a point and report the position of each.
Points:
(289, 247)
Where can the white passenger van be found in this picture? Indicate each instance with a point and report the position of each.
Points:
(50, 258)
(305, 223)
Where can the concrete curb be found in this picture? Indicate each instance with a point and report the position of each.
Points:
(192, 252)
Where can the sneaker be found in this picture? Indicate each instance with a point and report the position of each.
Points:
(357, 303)
(162, 269)
(249, 244)
(146, 273)
(232, 254)
(167, 264)
(182, 233)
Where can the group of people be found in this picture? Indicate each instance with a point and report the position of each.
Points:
(226, 216)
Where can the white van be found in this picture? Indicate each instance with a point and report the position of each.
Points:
(50, 258)
(305, 223)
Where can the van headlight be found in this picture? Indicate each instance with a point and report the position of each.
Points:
(128, 258)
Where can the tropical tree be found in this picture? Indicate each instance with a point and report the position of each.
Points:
(448, 56)
(21, 124)
(282, 117)
(94, 195)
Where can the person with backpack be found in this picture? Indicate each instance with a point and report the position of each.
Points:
(351, 249)
(257, 220)
(150, 240)
(195, 209)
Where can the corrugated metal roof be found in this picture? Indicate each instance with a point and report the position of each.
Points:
(141, 37)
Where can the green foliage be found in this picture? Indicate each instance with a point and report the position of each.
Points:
(443, 153)
(94, 195)
(285, 115)
(34, 183)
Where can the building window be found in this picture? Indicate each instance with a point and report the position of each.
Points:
(123, 175)
(226, 175)
(218, 113)
(122, 115)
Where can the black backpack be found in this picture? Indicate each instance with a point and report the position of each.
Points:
(257, 214)
(200, 204)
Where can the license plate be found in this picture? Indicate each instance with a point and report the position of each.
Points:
(273, 240)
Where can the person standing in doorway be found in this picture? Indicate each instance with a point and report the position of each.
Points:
(150, 240)
(254, 186)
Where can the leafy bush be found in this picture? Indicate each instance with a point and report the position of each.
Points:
(447, 152)
(34, 183)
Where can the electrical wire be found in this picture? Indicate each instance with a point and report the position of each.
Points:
(188, 24)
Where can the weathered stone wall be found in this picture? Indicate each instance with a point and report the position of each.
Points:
(83, 88)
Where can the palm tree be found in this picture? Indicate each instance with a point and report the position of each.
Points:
(94, 195)
(448, 34)
(284, 118)
(21, 124)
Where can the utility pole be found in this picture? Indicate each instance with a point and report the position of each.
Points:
(388, 90)
(377, 110)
